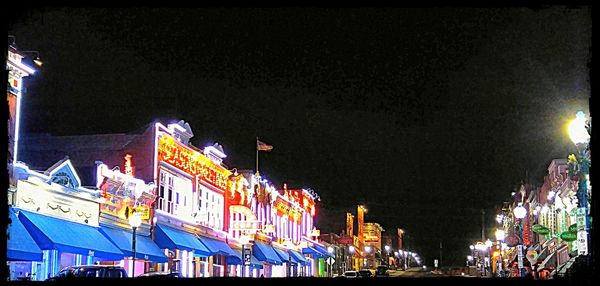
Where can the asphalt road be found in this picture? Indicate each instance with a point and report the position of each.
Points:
(413, 273)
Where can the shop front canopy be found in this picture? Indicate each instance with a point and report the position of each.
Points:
(265, 253)
(217, 247)
(284, 256)
(70, 237)
(145, 248)
(298, 258)
(237, 259)
(316, 250)
(171, 238)
(20, 244)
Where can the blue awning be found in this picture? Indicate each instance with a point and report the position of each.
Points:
(265, 253)
(70, 237)
(20, 245)
(284, 256)
(170, 238)
(145, 248)
(322, 250)
(237, 259)
(313, 251)
(299, 258)
(217, 247)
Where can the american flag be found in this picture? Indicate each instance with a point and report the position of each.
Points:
(262, 146)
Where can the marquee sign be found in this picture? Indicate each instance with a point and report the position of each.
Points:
(191, 162)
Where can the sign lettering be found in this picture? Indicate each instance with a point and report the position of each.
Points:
(192, 162)
(520, 253)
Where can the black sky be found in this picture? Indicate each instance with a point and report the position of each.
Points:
(424, 115)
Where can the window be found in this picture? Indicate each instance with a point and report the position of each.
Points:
(174, 190)
(211, 207)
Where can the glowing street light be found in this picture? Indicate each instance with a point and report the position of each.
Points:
(500, 235)
(135, 220)
(520, 213)
(577, 129)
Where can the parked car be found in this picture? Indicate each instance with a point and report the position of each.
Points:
(350, 274)
(162, 274)
(381, 271)
(90, 271)
(365, 273)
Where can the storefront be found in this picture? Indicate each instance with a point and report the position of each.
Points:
(21, 250)
(62, 218)
(190, 205)
(122, 195)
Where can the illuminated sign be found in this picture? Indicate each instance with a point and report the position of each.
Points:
(128, 165)
(191, 162)
(121, 193)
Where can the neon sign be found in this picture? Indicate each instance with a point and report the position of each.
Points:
(128, 165)
(191, 162)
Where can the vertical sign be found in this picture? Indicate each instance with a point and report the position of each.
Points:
(349, 224)
(580, 219)
(247, 255)
(582, 242)
(128, 165)
(360, 219)
(520, 253)
(435, 263)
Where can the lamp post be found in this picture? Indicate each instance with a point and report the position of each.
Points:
(472, 247)
(244, 240)
(135, 220)
(351, 250)
(500, 235)
(520, 212)
(367, 251)
(488, 254)
(387, 254)
(579, 132)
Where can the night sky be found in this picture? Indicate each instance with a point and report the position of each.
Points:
(426, 116)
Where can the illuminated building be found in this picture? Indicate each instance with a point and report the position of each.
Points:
(62, 217)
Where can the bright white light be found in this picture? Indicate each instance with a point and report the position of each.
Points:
(469, 257)
(504, 246)
(520, 212)
(500, 235)
(551, 195)
(480, 246)
(367, 249)
(488, 243)
(135, 220)
(396, 253)
(330, 249)
(387, 248)
(351, 249)
(499, 218)
(577, 131)
(471, 247)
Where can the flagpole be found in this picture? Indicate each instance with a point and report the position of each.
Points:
(257, 156)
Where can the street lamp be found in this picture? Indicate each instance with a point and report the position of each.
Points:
(135, 220)
(367, 251)
(351, 250)
(520, 213)
(579, 131)
(387, 254)
(244, 239)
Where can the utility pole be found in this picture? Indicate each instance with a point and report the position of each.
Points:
(482, 225)
(440, 254)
